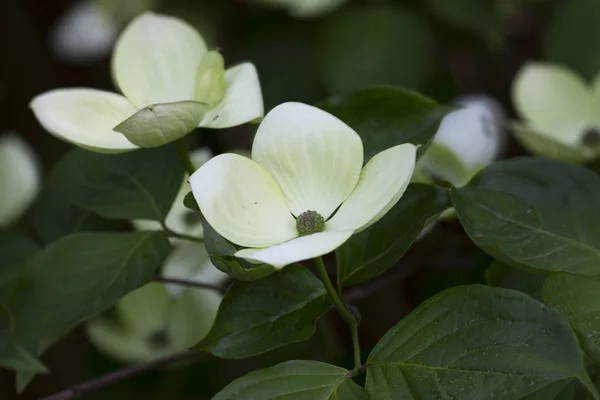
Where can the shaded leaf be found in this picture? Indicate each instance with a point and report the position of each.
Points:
(76, 278)
(475, 342)
(138, 185)
(385, 117)
(505, 276)
(578, 299)
(534, 212)
(377, 248)
(255, 317)
(295, 380)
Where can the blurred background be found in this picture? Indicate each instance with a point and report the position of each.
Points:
(304, 51)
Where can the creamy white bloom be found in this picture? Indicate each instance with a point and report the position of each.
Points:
(157, 319)
(303, 159)
(19, 178)
(467, 140)
(156, 64)
(305, 8)
(560, 112)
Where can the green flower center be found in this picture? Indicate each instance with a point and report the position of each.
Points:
(309, 222)
(591, 137)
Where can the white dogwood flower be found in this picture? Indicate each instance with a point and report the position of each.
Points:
(19, 178)
(560, 112)
(157, 319)
(171, 84)
(305, 190)
(467, 140)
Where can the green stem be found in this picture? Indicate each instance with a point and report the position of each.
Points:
(344, 313)
(184, 155)
(181, 235)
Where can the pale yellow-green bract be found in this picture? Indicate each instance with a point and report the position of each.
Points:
(157, 319)
(156, 65)
(19, 178)
(559, 110)
(302, 159)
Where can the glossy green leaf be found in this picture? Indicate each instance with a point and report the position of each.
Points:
(578, 299)
(385, 117)
(376, 249)
(255, 317)
(74, 279)
(54, 215)
(363, 46)
(475, 342)
(222, 252)
(571, 37)
(137, 185)
(159, 124)
(295, 380)
(534, 212)
(505, 276)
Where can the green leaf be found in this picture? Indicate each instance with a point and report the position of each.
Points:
(377, 248)
(475, 342)
(534, 212)
(385, 117)
(571, 37)
(222, 253)
(363, 46)
(15, 249)
(54, 215)
(255, 317)
(505, 276)
(159, 124)
(295, 380)
(141, 184)
(76, 278)
(578, 299)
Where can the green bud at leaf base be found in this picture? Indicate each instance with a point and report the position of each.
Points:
(210, 79)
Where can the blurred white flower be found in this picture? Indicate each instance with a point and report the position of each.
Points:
(305, 8)
(560, 112)
(157, 319)
(19, 178)
(85, 33)
(467, 140)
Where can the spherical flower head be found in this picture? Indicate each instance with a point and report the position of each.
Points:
(309, 222)
(304, 192)
(559, 112)
(171, 84)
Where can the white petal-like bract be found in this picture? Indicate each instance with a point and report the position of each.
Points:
(242, 202)
(85, 117)
(299, 249)
(156, 58)
(382, 183)
(315, 157)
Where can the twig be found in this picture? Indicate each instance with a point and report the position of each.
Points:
(183, 282)
(93, 385)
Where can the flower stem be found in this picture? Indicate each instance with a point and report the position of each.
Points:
(344, 313)
(184, 155)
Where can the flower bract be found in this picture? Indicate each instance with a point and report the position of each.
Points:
(303, 159)
(167, 91)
